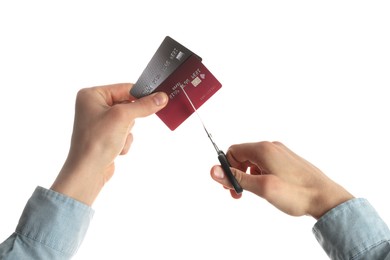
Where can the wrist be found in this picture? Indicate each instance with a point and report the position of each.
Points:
(328, 199)
(80, 181)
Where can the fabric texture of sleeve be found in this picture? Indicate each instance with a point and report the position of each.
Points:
(52, 226)
(353, 230)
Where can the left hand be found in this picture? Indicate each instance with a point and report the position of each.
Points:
(103, 120)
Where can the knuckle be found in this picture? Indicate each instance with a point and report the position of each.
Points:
(267, 147)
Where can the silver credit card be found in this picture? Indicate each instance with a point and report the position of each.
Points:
(168, 57)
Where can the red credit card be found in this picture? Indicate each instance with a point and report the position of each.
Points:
(172, 68)
(199, 84)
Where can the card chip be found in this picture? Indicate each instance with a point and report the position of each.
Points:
(196, 81)
(180, 55)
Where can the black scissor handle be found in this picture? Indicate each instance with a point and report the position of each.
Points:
(226, 168)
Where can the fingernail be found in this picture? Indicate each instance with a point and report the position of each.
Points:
(160, 98)
(218, 173)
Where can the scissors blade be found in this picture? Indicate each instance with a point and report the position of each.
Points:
(221, 155)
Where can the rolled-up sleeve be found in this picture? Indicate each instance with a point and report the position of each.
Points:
(353, 230)
(52, 226)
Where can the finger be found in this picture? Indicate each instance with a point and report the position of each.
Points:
(270, 187)
(115, 93)
(245, 180)
(147, 105)
(254, 170)
(129, 139)
(234, 194)
(218, 175)
(131, 125)
(128, 142)
(252, 183)
(265, 155)
(247, 152)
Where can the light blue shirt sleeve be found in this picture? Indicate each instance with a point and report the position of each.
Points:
(52, 226)
(353, 230)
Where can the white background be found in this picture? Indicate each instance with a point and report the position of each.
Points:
(312, 74)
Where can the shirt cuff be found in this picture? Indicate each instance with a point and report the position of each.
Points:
(352, 230)
(55, 220)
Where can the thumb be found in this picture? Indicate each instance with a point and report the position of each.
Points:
(148, 105)
(246, 181)
(219, 176)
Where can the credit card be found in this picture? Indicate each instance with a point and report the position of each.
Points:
(172, 68)
(199, 84)
(168, 57)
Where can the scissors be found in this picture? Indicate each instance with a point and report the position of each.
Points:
(221, 155)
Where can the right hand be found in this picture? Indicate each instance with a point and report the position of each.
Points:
(284, 179)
